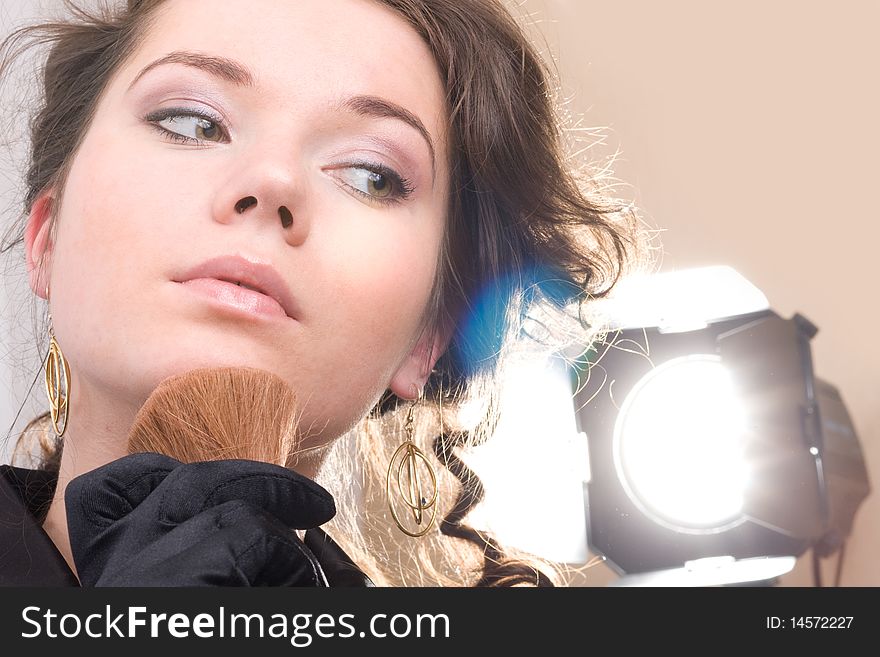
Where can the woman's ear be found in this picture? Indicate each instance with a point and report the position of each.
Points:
(412, 375)
(38, 242)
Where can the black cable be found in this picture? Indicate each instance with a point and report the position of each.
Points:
(839, 568)
(817, 572)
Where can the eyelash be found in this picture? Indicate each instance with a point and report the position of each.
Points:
(403, 188)
(154, 118)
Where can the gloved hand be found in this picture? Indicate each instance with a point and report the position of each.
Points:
(150, 520)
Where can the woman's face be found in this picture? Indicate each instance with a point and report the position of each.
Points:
(300, 143)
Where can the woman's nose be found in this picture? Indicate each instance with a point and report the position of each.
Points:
(266, 193)
(248, 202)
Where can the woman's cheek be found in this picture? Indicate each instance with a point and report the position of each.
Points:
(390, 290)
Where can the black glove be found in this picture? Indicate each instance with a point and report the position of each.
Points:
(150, 520)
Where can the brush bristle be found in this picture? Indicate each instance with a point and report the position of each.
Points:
(218, 413)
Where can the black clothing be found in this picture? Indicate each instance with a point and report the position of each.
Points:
(28, 557)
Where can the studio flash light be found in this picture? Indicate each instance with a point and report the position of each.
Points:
(710, 439)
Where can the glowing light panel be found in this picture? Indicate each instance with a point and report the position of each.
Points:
(678, 445)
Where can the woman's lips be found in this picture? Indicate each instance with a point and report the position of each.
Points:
(235, 297)
(251, 273)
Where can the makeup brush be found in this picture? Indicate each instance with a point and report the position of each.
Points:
(218, 413)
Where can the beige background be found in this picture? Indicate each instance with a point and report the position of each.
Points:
(749, 133)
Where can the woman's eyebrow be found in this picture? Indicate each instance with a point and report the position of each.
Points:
(240, 75)
(220, 67)
(382, 108)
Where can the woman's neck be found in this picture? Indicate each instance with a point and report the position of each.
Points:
(96, 434)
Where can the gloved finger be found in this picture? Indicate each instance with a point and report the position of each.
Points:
(102, 496)
(233, 544)
(297, 501)
(265, 552)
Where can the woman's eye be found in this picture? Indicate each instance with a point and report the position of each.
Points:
(188, 127)
(376, 182)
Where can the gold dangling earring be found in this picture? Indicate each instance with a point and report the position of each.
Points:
(57, 381)
(406, 457)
